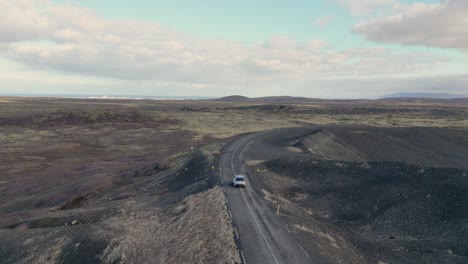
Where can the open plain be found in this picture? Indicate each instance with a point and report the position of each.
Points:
(135, 181)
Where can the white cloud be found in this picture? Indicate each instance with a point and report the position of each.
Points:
(67, 39)
(365, 7)
(443, 25)
(325, 20)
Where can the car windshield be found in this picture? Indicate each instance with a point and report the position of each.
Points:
(239, 178)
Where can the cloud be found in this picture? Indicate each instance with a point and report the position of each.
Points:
(325, 20)
(365, 7)
(443, 25)
(74, 40)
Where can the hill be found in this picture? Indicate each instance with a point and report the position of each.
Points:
(234, 98)
(269, 99)
(424, 95)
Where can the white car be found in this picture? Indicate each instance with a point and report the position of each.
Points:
(238, 181)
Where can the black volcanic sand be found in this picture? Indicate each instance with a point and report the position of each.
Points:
(76, 228)
(390, 211)
(374, 211)
(433, 147)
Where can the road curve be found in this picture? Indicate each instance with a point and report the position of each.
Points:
(261, 235)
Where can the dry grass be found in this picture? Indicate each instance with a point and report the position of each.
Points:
(198, 231)
(224, 124)
(65, 159)
(51, 254)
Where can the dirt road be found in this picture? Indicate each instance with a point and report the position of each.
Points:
(385, 207)
(261, 235)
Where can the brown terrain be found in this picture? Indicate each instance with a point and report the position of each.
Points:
(131, 181)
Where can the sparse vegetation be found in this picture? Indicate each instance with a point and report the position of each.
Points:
(116, 167)
(197, 230)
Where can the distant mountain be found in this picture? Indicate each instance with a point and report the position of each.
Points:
(285, 99)
(400, 97)
(424, 95)
(269, 99)
(234, 98)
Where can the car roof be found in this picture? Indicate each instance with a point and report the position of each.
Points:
(239, 176)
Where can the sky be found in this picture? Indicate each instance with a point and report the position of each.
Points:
(320, 48)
